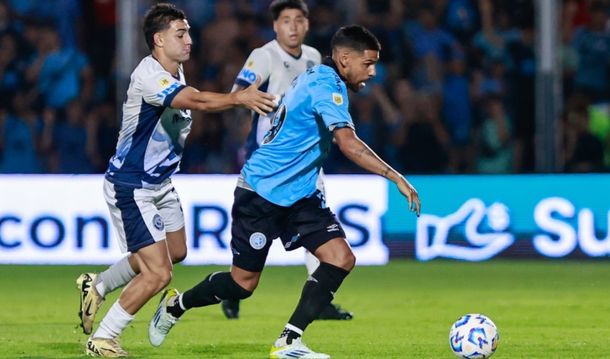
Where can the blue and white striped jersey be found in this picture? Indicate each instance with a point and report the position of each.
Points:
(152, 136)
(277, 69)
(286, 166)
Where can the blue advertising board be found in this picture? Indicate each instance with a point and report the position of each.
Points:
(481, 217)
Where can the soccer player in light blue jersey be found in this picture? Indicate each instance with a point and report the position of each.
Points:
(144, 207)
(277, 64)
(277, 188)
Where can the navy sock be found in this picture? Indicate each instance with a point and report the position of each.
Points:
(318, 292)
(213, 289)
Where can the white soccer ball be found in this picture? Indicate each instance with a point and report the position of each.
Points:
(473, 336)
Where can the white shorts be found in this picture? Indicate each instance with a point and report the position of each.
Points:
(142, 216)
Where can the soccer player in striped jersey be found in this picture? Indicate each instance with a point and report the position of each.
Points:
(277, 64)
(144, 207)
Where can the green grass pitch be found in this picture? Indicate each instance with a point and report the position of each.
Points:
(543, 309)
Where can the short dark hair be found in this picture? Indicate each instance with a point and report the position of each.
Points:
(355, 37)
(277, 6)
(157, 19)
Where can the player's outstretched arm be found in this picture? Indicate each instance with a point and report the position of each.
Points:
(251, 98)
(362, 155)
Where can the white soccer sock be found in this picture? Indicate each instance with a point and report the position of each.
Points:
(311, 262)
(116, 276)
(113, 324)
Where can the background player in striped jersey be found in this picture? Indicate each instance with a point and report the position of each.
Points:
(144, 207)
(277, 64)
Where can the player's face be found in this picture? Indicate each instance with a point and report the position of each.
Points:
(291, 27)
(360, 67)
(176, 41)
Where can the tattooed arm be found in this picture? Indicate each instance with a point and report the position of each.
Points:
(362, 155)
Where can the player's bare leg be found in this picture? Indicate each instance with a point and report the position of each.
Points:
(93, 287)
(155, 273)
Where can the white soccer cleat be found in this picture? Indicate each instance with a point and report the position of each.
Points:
(297, 349)
(90, 300)
(105, 348)
(162, 321)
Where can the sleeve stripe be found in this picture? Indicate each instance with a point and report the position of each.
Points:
(241, 82)
(169, 98)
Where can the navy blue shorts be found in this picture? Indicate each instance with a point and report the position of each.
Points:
(257, 222)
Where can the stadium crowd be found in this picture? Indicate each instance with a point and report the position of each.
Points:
(454, 93)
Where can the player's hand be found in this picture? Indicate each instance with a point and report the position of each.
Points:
(258, 101)
(409, 191)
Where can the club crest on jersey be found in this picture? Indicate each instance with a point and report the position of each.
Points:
(337, 98)
(258, 240)
(250, 63)
(164, 82)
(310, 64)
(158, 222)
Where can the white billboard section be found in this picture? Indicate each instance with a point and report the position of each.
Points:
(55, 220)
(64, 219)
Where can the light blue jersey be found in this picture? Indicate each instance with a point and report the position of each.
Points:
(286, 166)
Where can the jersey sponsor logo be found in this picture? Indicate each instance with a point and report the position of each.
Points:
(168, 90)
(158, 222)
(258, 240)
(337, 98)
(164, 82)
(247, 75)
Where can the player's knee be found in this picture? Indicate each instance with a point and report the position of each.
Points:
(159, 278)
(348, 261)
(344, 259)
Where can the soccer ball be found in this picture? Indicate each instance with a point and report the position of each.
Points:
(473, 336)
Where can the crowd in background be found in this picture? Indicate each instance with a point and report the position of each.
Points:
(454, 91)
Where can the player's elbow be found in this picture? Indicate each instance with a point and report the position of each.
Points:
(347, 145)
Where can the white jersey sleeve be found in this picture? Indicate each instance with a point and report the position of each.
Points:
(159, 88)
(258, 65)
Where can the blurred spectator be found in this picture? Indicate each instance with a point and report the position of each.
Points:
(457, 115)
(523, 99)
(584, 150)
(431, 47)
(61, 74)
(461, 18)
(422, 140)
(592, 44)
(10, 70)
(105, 130)
(494, 142)
(70, 136)
(493, 39)
(19, 133)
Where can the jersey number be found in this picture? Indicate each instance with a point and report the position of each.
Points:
(276, 124)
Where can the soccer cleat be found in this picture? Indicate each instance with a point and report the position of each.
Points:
(296, 349)
(335, 312)
(162, 321)
(230, 308)
(90, 300)
(105, 348)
